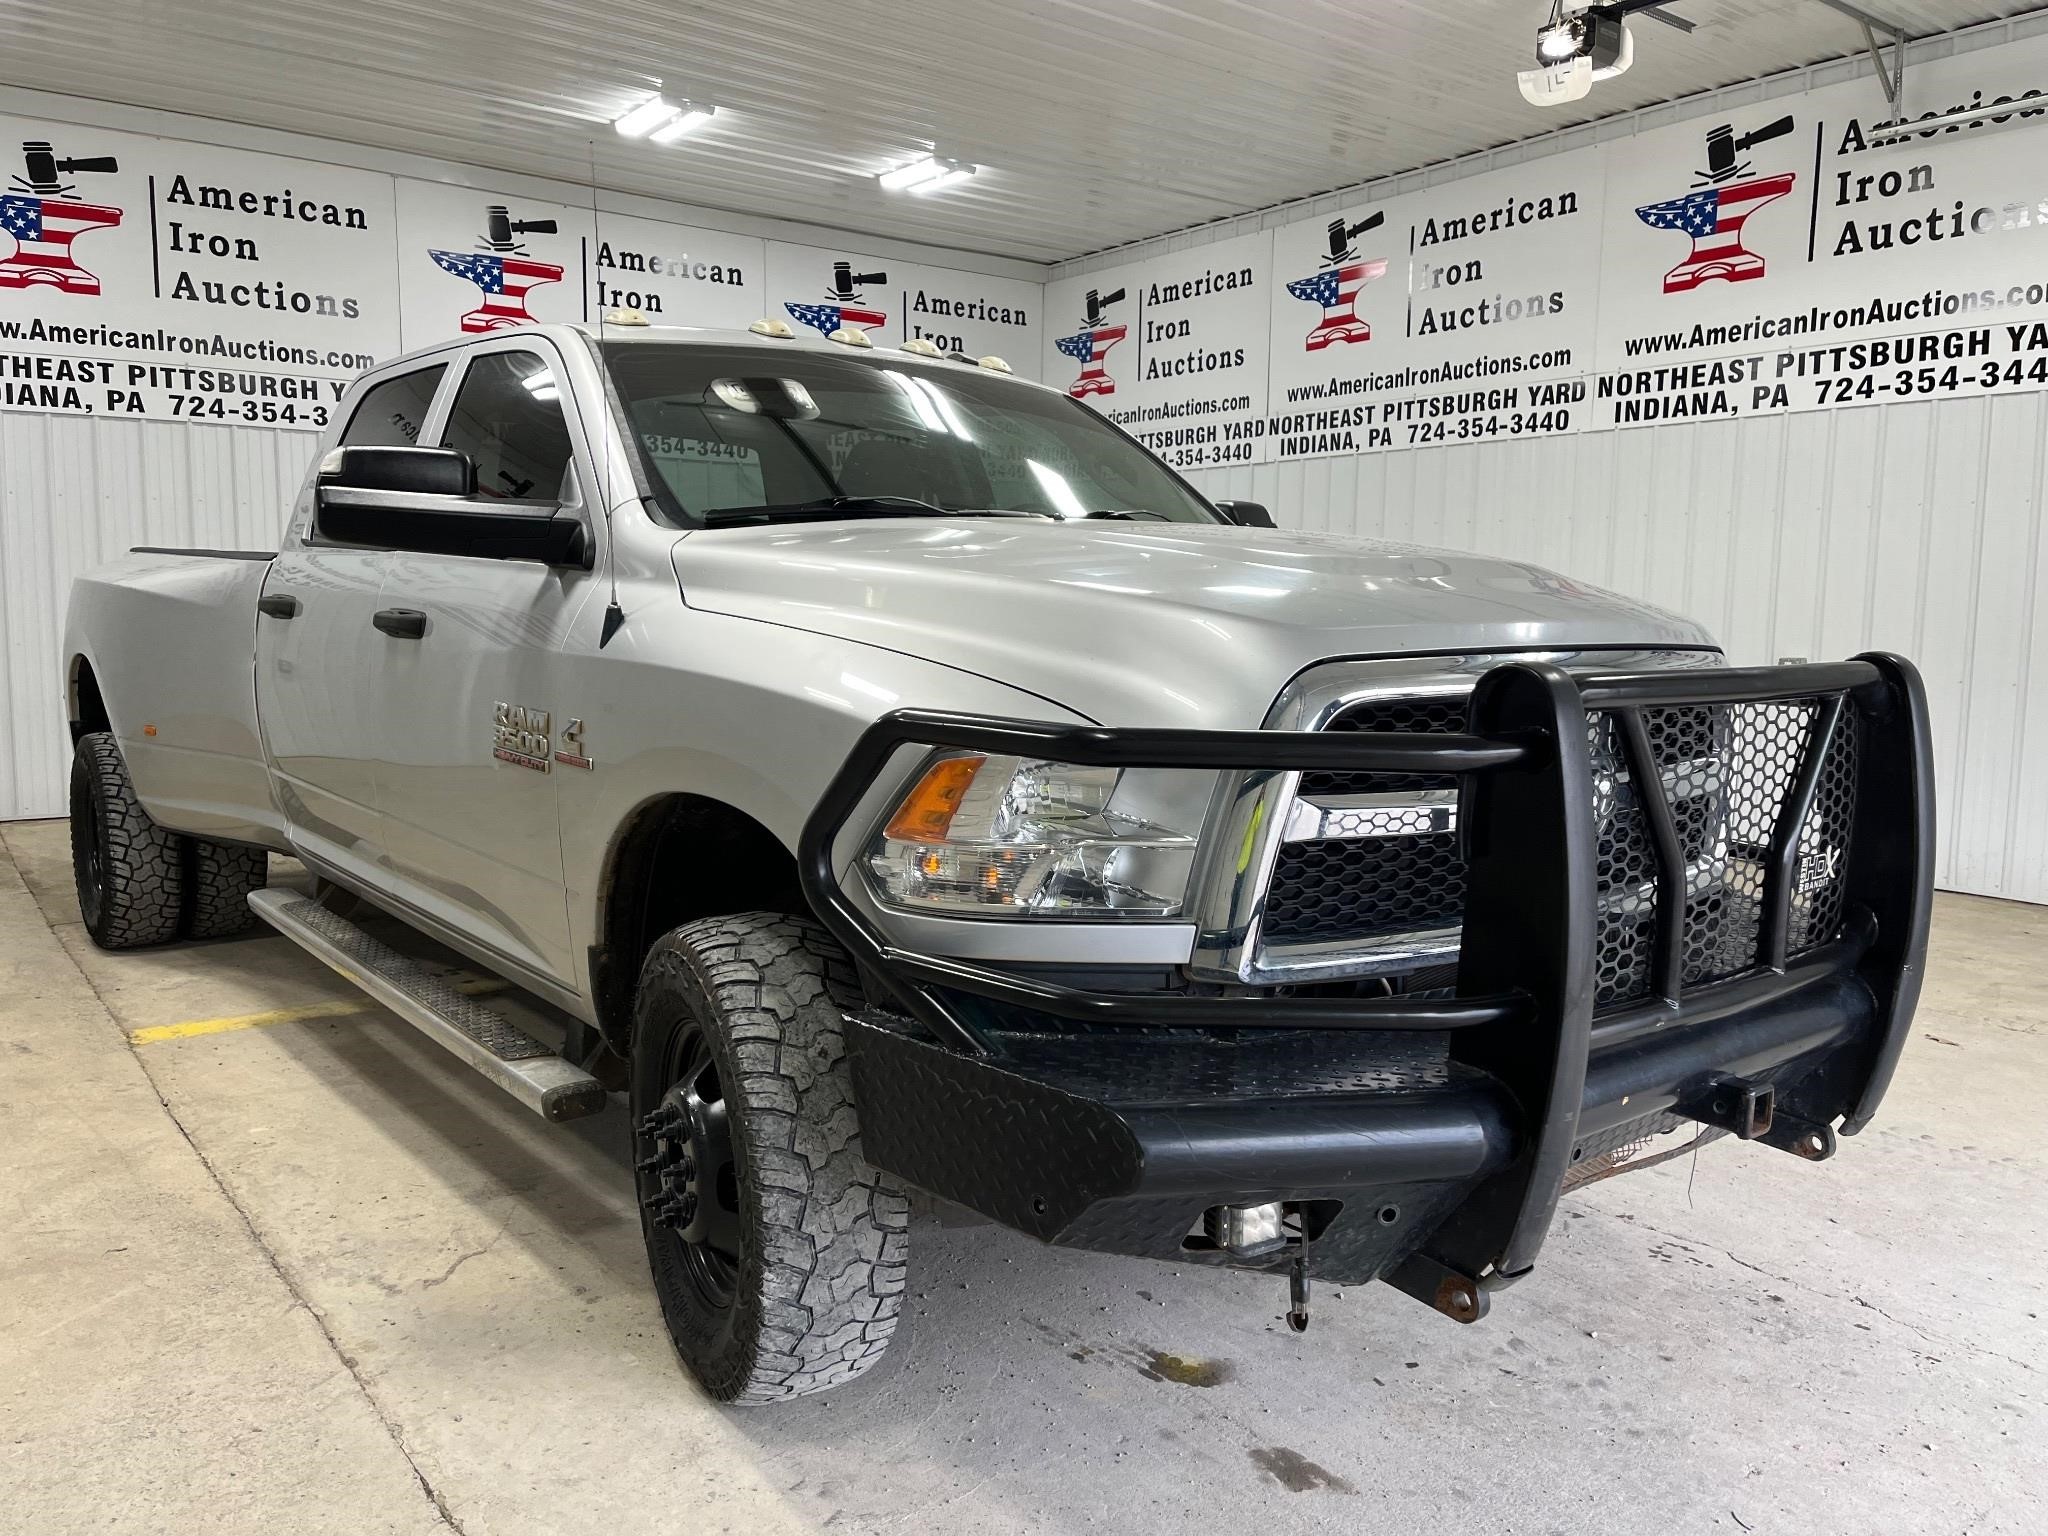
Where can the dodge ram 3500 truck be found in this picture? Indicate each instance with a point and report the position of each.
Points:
(897, 778)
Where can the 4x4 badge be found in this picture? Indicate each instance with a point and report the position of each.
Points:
(570, 753)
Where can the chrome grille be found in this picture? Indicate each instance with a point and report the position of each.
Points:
(1373, 859)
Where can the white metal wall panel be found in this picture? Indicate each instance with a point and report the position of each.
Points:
(75, 491)
(1914, 528)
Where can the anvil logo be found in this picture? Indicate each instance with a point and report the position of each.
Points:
(1336, 289)
(845, 307)
(1714, 216)
(501, 270)
(44, 215)
(1089, 346)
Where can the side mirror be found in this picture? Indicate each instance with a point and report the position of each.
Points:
(424, 500)
(414, 471)
(1246, 514)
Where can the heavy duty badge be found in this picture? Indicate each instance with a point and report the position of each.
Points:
(520, 736)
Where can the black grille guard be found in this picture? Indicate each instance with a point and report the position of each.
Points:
(1524, 1013)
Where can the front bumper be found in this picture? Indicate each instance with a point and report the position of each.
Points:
(1422, 1142)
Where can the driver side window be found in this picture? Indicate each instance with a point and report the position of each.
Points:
(507, 416)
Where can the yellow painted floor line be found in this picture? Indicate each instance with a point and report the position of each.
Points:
(337, 1008)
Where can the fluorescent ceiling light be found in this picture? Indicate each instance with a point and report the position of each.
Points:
(645, 118)
(910, 175)
(951, 171)
(686, 118)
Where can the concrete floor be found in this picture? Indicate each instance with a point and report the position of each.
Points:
(311, 1275)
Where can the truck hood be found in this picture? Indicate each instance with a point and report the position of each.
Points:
(1148, 624)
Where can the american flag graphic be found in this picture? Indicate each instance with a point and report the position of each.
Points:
(43, 229)
(1337, 292)
(1088, 348)
(504, 281)
(827, 318)
(1714, 219)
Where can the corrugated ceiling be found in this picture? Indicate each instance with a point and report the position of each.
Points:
(1099, 121)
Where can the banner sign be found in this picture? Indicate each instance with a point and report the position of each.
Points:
(1173, 349)
(143, 277)
(149, 277)
(1781, 260)
(1768, 258)
(819, 290)
(1762, 259)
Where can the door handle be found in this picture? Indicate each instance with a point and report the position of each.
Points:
(405, 623)
(279, 605)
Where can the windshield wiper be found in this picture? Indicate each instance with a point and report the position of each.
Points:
(1132, 515)
(825, 507)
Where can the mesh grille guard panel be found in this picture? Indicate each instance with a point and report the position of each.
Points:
(1728, 771)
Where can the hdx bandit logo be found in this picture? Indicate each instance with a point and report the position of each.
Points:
(44, 214)
(1090, 345)
(1714, 217)
(501, 270)
(1336, 289)
(846, 308)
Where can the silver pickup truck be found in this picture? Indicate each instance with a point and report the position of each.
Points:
(894, 778)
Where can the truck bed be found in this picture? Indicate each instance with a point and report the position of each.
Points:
(177, 629)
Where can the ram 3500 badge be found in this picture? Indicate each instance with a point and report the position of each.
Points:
(981, 810)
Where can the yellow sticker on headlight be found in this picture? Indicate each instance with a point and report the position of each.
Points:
(1251, 837)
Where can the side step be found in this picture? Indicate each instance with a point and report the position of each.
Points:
(521, 1065)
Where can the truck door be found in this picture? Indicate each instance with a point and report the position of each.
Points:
(475, 704)
(318, 655)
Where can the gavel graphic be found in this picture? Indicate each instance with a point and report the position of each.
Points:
(45, 170)
(500, 228)
(846, 283)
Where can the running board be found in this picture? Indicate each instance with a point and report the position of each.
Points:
(524, 1067)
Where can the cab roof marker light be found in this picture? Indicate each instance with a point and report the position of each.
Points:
(622, 316)
(851, 336)
(689, 116)
(919, 346)
(638, 122)
(994, 364)
(769, 326)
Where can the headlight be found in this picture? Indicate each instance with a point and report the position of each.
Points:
(999, 836)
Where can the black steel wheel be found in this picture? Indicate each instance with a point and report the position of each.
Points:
(778, 1254)
(692, 1189)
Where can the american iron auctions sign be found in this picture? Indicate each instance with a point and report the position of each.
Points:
(142, 277)
(148, 277)
(820, 289)
(1173, 349)
(1777, 257)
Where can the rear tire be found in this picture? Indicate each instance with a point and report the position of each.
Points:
(778, 1254)
(221, 879)
(130, 873)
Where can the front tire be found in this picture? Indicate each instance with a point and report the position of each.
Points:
(778, 1254)
(130, 873)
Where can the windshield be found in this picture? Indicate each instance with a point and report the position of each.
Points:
(748, 434)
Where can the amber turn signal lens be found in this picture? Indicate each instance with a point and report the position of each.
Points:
(927, 811)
